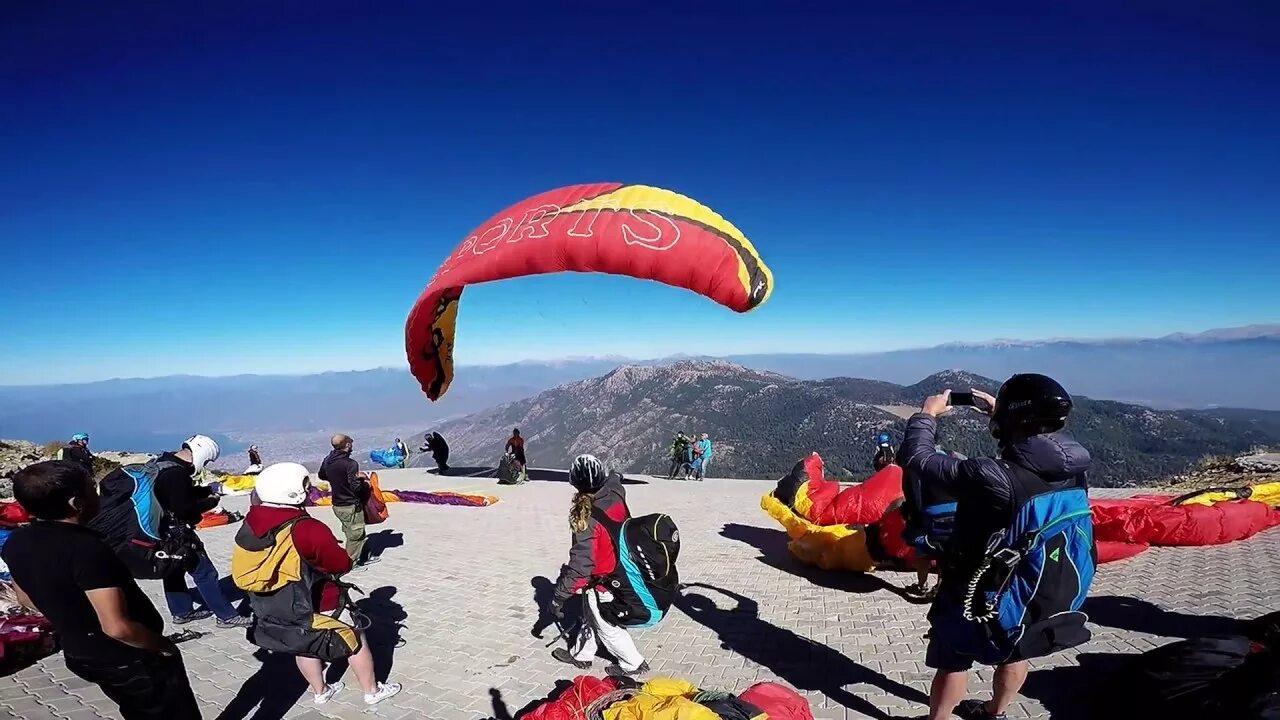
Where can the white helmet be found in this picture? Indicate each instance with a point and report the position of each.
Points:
(204, 450)
(283, 484)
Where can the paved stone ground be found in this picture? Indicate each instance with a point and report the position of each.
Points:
(457, 586)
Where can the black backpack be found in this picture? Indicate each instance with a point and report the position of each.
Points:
(149, 542)
(645, 582)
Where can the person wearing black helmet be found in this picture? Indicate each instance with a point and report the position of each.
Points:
(591, 558)
(1020, 559)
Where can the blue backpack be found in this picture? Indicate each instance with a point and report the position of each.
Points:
(151, 543)
(1030, 586)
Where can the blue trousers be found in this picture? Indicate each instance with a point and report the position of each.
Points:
(179, 599)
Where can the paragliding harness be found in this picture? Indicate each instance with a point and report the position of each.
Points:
(1036, 573)
(645, 582)
(151, 543)
(511, 472)
(282, 588)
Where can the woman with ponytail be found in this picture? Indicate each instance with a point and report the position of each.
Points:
(593, 557)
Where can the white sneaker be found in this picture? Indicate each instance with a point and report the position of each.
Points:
(385, 690)
(329, 692)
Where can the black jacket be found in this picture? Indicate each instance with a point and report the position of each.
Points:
(438, 447)
(179, 495)
(78, 454)
(983, 490)
(339, 470)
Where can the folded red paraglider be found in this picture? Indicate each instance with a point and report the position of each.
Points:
(1122, 528)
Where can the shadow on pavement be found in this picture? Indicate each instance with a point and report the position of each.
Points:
(801, 662)
(502, 712)
(1126, 613)
(772, 545)
(271, 692)
(1076, 692)
(383, 635)
(378, 543)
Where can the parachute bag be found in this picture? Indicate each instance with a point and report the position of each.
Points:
(1041, 576)
(132, 522)
(646, 582)
(280, 587)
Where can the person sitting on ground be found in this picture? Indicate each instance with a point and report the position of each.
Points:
(593, 557)
(439, 449)
(184, 501)
(255, 458)
(515, 446)
(1025, 515)
(77, 450)
(350, 490)
(291, 586)
(109, 631)
(702, 456)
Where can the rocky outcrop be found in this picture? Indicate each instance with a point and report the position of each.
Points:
(1259, 463)
(15, 455)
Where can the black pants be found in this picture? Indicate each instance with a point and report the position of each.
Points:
(153, 688)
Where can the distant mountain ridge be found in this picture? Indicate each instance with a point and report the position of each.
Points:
(1233, 367)
(762, 422)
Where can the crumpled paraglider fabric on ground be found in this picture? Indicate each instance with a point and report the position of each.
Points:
(387, 457)
(238, 484)
(829, 526)
(777, 701)
(320, 496)
(572, 704)
(846, 536)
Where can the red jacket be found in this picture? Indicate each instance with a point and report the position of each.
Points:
(313, 541)
(593, 555)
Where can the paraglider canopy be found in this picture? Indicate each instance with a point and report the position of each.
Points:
(635, 230)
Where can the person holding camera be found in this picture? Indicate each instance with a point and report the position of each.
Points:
(1020, 558)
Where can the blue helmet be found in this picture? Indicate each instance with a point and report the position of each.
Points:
(883, 439)
(80, 437)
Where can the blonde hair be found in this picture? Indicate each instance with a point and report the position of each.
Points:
(580, 511)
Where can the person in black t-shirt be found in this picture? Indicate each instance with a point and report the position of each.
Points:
(110, 632)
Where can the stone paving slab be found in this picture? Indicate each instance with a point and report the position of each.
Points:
(457, 585)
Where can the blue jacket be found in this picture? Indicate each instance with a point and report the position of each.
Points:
(983, 490)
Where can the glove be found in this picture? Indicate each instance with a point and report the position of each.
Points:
(557, 609)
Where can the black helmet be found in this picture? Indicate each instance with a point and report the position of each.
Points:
(1029, 404)
(587, 474)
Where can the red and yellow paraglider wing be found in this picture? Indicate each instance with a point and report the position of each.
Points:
(635, 230)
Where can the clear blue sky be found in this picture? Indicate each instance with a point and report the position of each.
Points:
(221, 187)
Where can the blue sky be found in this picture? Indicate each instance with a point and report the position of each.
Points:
(229, 188)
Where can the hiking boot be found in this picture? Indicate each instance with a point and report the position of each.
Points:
(239, 621)
(619, 671)
(566, 657)
(977, 710)
(329, 692)
(192, 616)
(384, 691)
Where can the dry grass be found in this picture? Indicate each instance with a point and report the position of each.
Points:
(51, 448)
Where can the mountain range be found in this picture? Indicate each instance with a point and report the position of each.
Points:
(1234, 367)
(761, 422)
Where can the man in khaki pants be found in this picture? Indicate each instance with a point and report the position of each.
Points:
(350, 489)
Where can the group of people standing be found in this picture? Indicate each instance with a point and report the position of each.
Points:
(79, 560)
(690, 457)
